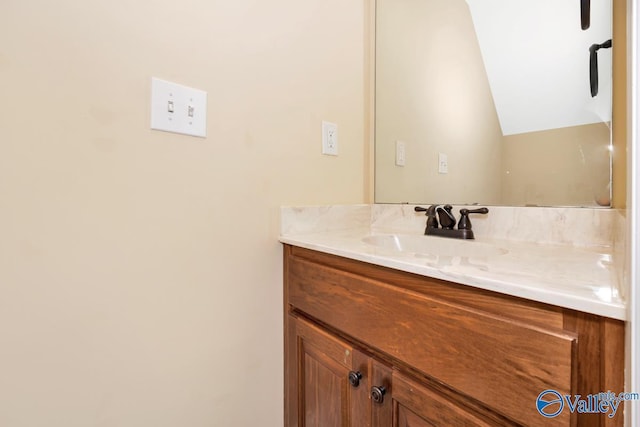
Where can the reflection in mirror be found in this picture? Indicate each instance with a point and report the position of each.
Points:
(490, 102)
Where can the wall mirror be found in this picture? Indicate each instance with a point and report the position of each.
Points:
(490, 102)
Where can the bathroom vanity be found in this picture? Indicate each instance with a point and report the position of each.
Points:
(374, 337)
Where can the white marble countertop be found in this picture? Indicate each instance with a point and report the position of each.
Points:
(583, 278)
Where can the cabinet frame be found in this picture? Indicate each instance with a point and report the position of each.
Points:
(592, 347)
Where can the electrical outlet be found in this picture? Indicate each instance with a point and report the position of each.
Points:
(443, 163)
(401, 153)
(329, 138)
(179, 109)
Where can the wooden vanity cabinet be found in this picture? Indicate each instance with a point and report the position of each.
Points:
(371, 346)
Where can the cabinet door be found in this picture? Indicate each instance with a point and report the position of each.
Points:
(420, 406)
(407, 403)
(329, 382)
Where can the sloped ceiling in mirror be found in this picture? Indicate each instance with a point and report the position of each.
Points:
(520, 38)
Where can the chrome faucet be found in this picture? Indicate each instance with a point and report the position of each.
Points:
(441, 221)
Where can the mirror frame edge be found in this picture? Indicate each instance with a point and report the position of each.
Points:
(620, 106)
(369, 68)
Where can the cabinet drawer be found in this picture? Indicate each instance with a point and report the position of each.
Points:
(498, 361)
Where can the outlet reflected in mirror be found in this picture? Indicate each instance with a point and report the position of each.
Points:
(503, 88)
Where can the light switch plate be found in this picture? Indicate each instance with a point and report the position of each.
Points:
(401, 153)
(329, 138)
(177, 108)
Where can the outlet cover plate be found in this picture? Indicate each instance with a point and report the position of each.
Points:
(443, 163)
(329, 138)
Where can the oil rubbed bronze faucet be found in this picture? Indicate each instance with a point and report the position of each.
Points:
(441, 221)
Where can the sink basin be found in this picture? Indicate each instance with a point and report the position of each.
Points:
(434, 246)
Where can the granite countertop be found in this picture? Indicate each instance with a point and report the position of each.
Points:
(582, 278)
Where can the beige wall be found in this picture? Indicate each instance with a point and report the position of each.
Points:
(558, 167)
(436, 102)
(140, 273)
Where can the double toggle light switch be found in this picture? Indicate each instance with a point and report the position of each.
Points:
(177, 108)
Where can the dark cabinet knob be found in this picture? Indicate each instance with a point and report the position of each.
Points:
(377, 394)
(354, 378)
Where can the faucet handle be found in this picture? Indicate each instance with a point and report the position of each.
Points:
(432, 220)
(465, 223)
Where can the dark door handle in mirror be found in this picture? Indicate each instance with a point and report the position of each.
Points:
(377, 394)
(354, 378)
(593, 65)
(585, 14)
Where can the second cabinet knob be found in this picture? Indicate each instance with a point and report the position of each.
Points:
(377, 393)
